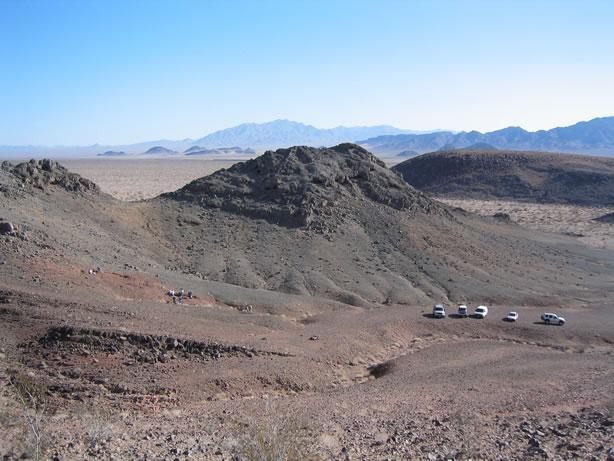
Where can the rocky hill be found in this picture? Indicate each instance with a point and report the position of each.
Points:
(303, 186)
(529, 176)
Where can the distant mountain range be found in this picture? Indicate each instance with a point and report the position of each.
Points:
(257, 136)
(595, 137)
(285, 133)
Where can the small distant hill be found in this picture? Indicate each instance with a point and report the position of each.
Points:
(111, 153)
(194, 149)
(513, 175)
(159, 150)
(220, 151)
(595, 137)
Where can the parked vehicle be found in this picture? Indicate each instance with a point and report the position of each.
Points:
(481, 312)
(553, 318)
(512, 317)
(438, 311)
(462, 310)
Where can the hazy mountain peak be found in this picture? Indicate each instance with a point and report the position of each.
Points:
(285, 133)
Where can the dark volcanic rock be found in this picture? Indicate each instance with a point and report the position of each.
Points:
(607, 218)
(529, 176)
(6, 227)
(44, 173)
(295, 187)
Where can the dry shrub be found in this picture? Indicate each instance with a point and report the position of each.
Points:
(32, 398)
(275, 435)
(97, 428)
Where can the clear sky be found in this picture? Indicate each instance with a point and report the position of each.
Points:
(112, 72)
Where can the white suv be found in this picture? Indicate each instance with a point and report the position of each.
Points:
(439, 311)
(553, 318)
(481, 312)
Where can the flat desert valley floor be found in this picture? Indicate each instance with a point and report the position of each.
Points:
(138, 179)
(130, 375)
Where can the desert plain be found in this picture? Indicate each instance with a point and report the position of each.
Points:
(338, 357)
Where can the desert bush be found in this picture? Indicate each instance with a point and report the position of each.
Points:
(98, 429)
(274, 435)
(32, 398)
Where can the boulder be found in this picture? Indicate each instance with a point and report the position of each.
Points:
(6, 227)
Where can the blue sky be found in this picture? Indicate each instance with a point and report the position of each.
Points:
(84, 72)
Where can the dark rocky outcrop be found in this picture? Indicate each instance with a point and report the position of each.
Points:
(6, 227)
(607, 218)
(142, 347)
(298, 186)
(44, 173)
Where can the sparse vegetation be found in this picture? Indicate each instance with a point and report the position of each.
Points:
(274, 435)
(98, 429)
(33, 400)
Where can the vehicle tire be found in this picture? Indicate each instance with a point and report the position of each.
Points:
(561, 323)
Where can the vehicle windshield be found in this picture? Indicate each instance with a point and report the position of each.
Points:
(479, 309)
(512, 314)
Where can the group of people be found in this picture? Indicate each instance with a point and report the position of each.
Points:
(178, 296)
(97, 271)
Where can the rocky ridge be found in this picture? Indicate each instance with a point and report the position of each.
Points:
(41, 174)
